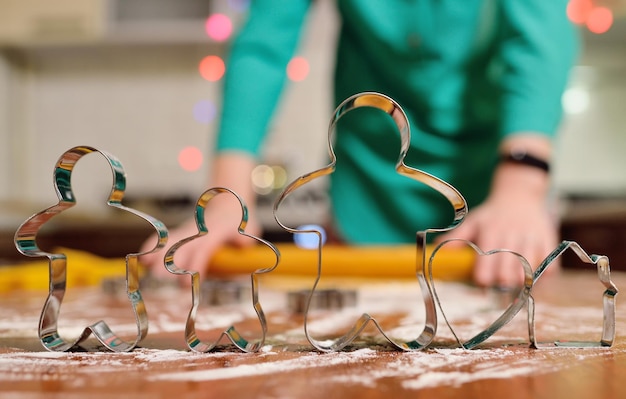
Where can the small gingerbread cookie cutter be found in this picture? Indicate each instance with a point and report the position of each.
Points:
(191, 336)
(608, 298)
(400, 119)
(25, 242)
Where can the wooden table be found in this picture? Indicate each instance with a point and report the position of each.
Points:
(569, 306)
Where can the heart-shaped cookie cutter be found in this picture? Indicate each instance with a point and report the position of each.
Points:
(459, 205)
(509, 313)
(25, 242)
(191, 336)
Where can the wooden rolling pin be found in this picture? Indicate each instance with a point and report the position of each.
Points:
(339, 260)
(85, 269)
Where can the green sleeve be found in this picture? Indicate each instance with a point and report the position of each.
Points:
(538, 48)
(256, 72)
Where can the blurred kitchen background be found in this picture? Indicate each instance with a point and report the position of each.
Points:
(141, 79)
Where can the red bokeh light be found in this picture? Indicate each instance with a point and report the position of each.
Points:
(298, 69)
(212, 68)
(190, 159)
(585, 12)
(600, 20)
(578, 10)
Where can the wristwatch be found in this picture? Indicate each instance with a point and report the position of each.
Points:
(521, 157)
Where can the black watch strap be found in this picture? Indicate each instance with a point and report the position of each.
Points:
(524, 158)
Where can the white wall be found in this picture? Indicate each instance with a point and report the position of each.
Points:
(591, 148)
(133, 102)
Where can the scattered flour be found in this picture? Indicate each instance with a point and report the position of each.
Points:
(246, 370)
(414, 370)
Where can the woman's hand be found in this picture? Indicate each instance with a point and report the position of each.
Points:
(515, 216)
(223, 216)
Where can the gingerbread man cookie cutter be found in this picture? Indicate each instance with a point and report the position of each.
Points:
(191, 336)
(459, 205)
(25, 242)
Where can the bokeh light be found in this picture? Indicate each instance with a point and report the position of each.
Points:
(309, 240)
(263, 179)
(575, 100)
(212, 68)
(204, 111)
(584, 12)
(266, 178)
(190, 159)
(600, 20)
(218, 27)
(280, 177)
(578, 10)
(298, 69)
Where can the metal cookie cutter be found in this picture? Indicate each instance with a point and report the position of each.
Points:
(509, 313)
(193, 342)
(389, 106)
(608, 298)
(25, 241)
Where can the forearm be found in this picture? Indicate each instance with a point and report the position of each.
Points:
(520, 180)
(255, 74)
(233, 170)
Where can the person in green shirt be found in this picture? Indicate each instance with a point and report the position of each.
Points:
(478, 79)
